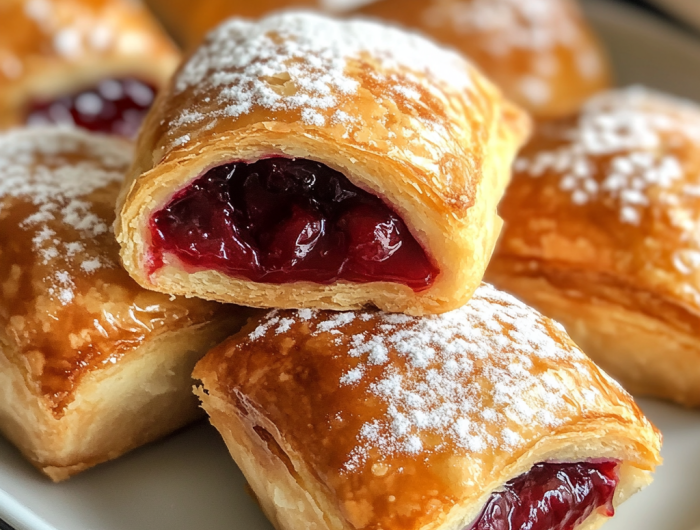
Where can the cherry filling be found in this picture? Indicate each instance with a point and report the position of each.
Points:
(551, 497)
(114, 106)
(283, 220)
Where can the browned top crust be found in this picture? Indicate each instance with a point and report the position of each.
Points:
(542, 53)
(403, 419)
(49, 48)
(355, 84)
(608, 204)
(66, 305)
(412, 123)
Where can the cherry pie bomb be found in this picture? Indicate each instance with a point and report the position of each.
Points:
(367, 173)
(484, 418)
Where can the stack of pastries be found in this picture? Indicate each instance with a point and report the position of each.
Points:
(301, 231)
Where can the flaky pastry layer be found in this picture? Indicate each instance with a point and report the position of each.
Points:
(54, 48)
(407, 121)
(372, 420)
(603, 233)
(144, 396)
(91, 364)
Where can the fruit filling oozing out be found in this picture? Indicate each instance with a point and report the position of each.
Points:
(114, 106)
(281, 220)
(551, 497)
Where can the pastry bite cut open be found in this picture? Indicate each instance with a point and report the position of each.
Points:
(95, 64)
(301, 161)
(454, 421)
(91, 364)
(603, 234)
(542, 53)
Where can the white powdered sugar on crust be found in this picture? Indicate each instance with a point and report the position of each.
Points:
(538, 27)
(69, 30)
(530, 25)
(54, 170)
(246, 63)
(620, 150)
(471, 378)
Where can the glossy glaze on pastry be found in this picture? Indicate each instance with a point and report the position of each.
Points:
(542, 53)
(91, 63)
(603, 234)
(415, 127)
(374, 420)
(70, 314)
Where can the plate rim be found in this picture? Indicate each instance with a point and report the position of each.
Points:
(19, 516)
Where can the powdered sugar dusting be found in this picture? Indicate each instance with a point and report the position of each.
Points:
(298, 61)
(70, 31)
(620, 149)
(55, 170)
(468, 378)
(539, 27)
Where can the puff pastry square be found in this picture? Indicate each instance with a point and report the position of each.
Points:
(301, 161)
(373, 420)
(542, 53)
(91, 365)
(93, 63)
(603, 234)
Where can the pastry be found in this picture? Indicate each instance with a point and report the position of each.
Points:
(603, 234)
(93, 63)
(324, 164)
(91, 365)
(189, 21)
(373, 420)
(542, 53)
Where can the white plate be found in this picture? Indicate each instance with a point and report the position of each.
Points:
(189, 482)
(686, 10)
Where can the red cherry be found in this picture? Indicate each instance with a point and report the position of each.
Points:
(551, 497)
(280, 220)
(114, 106)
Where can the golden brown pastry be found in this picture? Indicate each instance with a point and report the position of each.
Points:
(323, 164)
(93, 63)
(382, 421)
(542, 53)
(603, 234)
(91, 365)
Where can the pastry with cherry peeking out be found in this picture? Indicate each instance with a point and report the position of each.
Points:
(91, 364)
(301, 161)
(603, 234)
(542, 53)
(95, 64)
(482, 418)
